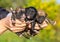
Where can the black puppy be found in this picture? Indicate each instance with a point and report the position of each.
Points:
(33, 16)
(31, 13)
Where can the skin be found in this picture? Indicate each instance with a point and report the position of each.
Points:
(44, 24)
(19, 26)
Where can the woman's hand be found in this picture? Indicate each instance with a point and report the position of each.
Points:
(19, 26)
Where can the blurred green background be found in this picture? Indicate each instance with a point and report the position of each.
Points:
(49, 33)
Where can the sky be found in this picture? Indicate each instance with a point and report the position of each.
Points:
(58, 1)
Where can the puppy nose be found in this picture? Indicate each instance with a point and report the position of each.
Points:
(28, 16)
(37, 27)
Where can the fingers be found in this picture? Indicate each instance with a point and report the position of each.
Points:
(37, 27)
(15, 29)
(44, 24)
(19, 26)
(50, 21)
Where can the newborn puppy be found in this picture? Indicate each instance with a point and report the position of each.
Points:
(31, 13)
(41, 16)
(18, 14)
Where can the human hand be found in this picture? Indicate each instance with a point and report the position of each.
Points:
(19, 26)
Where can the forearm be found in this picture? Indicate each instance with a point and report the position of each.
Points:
(2, 30)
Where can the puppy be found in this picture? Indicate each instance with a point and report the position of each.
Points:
(31, 13)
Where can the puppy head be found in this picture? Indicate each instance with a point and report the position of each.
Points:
(30, 12)
(41, 16)
(20, 14)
